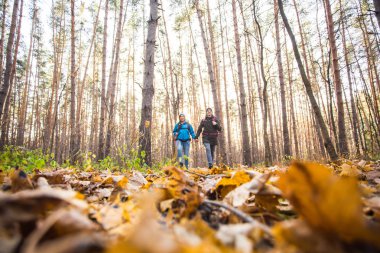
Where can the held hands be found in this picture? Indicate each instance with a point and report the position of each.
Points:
(214, 123)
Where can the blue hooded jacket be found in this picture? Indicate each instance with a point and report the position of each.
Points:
(185, 131)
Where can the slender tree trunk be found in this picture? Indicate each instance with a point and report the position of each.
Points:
(285, 130)
(228, 120)
(74, 149)
(5, 118)
(111, 115)
(343, 147)
(212, 79)
(328, 144)
(103, 92)
(4, 14)
(145, 127)
(247, 159)
(4, 89)
(22, 112)
(355, 124)
(265, 106)
(174, 96)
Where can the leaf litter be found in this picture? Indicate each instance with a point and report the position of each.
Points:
(306, 207)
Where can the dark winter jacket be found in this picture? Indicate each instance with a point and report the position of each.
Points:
(209, 131)
(183, 134)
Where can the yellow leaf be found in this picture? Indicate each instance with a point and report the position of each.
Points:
(122, 182)
(225, 185)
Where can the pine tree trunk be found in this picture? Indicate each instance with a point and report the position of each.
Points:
(4, 13)
(355, 124)
(285, 130)
(265, 106)
(247, 159)
(327, 141)
(4, 89)
(22, 112)
(113, 82)
(74, 149)
(103, 92)
(5, 121)
(228, 143)
(343, 147)
(212, 80)
(145, 128)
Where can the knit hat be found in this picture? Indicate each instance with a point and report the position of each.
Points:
(181, 114)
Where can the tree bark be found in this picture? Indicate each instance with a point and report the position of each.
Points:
(103, 92)
(355, 124)
(285, 130)
(4, 13)
(145, 128)
(22, 111)
(5, 119)
(343, 147)
(4, 89)
(74, 149)
(268, 154)
(327, 141)
(112, 88)
(247, 159)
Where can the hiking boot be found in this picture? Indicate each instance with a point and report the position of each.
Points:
(181, 165)
(210, 165)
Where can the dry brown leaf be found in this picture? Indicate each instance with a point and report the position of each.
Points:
(330, 205)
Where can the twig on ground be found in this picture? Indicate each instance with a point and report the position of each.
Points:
(243, 216)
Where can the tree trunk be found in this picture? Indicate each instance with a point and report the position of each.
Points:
(285, 130)
(24, 103)
(4, 13)
(74, 149)
(5, 120)
(145, 128)
(343, 148)
(327, 141)
(112, 88)
(103, 92)
(355, 124)
(247, 159)
(265, 106)
(228, 125)
(4, 89)
(213, 84)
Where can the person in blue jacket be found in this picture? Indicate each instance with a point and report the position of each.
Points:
(183, 132)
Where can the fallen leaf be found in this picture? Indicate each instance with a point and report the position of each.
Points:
(330, 205)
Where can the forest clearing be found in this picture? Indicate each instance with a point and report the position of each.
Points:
(169, 126)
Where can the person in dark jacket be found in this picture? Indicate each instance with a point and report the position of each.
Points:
(183, 132)
(210, 128)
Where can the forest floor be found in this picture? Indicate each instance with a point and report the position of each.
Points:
(304, 207)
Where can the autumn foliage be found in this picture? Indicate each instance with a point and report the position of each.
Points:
(307, 207)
